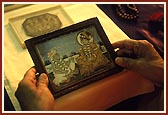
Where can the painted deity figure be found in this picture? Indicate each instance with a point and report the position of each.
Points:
(90, 57)
(63, 70)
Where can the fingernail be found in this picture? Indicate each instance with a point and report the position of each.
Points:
(118, 60)
(43, 80)
(43, 76)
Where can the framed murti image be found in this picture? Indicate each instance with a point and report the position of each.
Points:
(39, 22)
(73, 56)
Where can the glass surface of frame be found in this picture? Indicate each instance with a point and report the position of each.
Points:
(73, 56)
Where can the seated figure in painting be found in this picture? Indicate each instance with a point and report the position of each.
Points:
(63, 70)
(90, 57)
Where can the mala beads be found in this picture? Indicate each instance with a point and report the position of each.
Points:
(127, 11)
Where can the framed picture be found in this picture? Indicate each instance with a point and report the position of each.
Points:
(31, 24)
(73, 56)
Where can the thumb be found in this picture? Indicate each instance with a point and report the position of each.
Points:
(42, 80)
(128, 63)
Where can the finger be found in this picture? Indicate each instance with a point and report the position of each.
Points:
(126, 62)
(127, 44)
(124, 52)
(31, 73)
(42, 81)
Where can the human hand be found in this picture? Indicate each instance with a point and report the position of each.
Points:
(147, 61)
(34, 94)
